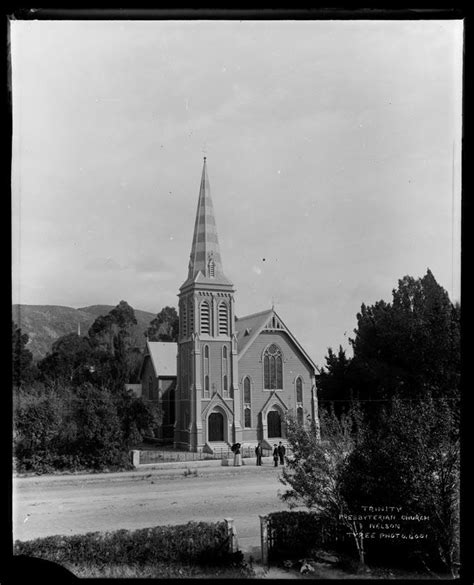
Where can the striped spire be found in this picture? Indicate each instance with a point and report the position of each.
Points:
(205, 254)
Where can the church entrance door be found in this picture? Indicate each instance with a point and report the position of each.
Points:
(274, 424)
(216, 427)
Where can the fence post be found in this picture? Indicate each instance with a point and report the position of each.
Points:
(232, 535)
(264, 539)
(135, 457)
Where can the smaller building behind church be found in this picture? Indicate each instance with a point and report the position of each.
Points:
(158, 384)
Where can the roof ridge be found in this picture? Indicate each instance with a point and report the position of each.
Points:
(254, 314)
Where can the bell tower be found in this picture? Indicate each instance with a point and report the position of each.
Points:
(207, 393)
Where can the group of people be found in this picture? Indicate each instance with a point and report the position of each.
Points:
(278, 454)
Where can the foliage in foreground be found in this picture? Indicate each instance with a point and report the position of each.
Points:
(409, 460)
(400, 446)
(73, 428)
(296, 534)
(314, 468)
(199, 543)
(234, 570)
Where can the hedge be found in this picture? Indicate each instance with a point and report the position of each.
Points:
(294, 534)
(298, 534)
(194, 542)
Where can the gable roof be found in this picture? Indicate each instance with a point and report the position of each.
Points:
(217, 400)
(248, 328)
(163, 357)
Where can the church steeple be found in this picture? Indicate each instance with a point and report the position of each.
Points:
(205, 263)
(207, 344)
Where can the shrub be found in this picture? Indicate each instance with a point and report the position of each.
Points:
(37, 424)
(411, 460)
(195, 542)
(63, 428)
(294, 534)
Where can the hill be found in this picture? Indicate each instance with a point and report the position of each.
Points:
(46, 323)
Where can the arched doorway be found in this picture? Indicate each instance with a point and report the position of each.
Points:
(216, 426)
(274, 424)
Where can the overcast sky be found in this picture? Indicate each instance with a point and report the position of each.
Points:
(330, 158)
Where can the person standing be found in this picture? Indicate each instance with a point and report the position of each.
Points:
(258, 453)
(275, 455)
(281, 453)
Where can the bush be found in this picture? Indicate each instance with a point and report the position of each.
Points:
(63, 428)
(195, 542)
(38, 420)
(294, 534)
(411, 460)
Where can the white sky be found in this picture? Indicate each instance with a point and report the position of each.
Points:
(330, 159)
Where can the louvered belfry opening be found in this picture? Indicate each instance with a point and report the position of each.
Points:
(191, 316)
(205, 318)
(223, 319)
(184, 319)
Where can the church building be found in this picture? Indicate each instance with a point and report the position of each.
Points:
(236, 377)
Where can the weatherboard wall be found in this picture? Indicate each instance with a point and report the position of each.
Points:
(294, 365)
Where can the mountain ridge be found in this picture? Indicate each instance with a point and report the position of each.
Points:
(44, 324)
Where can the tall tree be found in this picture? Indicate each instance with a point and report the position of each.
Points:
(119, 322)
(71, 360)
(165, 326)
(408, 348)
(335, 380)
(22, 358)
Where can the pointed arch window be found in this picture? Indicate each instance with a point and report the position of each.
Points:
(211, 268)
(273, 368)
(150, 388)
(225, 371)
(191, 316)
(247, 403)
(247, 418)
(205, 370)
(247, 397)
(205, 318)
(184, 319)
(223, 316)
(184, 373)
(299, 401)
(299, 391)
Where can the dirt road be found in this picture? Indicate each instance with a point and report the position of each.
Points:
(45, 506)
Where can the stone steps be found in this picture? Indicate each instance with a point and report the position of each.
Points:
(217, 447)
